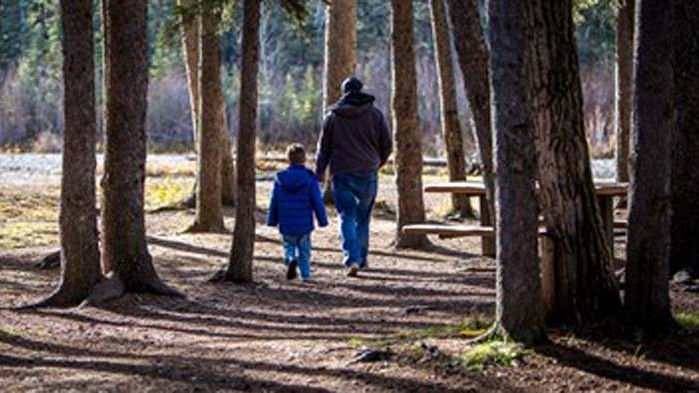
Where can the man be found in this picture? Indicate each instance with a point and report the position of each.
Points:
(355, 142)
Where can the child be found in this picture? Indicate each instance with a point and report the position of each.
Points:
(295, 197)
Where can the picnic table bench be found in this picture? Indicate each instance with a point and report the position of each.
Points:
(606, 191)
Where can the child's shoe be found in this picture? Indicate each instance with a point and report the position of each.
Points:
(352, 270)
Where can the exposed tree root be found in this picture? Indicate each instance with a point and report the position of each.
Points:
(168, 208)
(410, 244)
(496, 332)
(158, 287)
(219, 276)
(108, 289)
(198, 228)
(50, 261)
(58, 299)
(492, 333)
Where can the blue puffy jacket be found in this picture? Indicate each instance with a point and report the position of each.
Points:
(295, 197)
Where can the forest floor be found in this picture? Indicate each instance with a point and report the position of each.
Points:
(414, 308)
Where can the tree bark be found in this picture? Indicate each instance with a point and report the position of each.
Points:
(647, 267)
(406, 126)
(340, 47)
(684, 231)
(585, 288)
(227, 163)
(451, 129)
(209, 213)
(190, 53)
(340, 55)
(242, 251)
(80, 258)
(124, 250)
(518, 316)
(473, 59)
(624, 87)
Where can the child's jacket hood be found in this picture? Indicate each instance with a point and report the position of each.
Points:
(294, 178)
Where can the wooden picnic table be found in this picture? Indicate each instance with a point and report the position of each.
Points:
(606, 191)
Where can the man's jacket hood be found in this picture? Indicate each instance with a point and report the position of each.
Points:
(353, 104)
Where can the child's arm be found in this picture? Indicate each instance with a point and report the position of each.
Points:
(318, 204)
(273, 215)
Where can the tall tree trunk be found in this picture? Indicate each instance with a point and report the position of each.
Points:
(684, 231)
(451, 129)
(406, 125)
(585, 288)
(473, 59)
(648, 248)
(624, 87)
(124, 249)
(80, 263)
(190, 53)
(517, 316)
(209, 214)
(242, 251)
(227, 163)
(340, 54)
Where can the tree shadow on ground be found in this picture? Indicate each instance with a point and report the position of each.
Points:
(205, 251)
(433, 249)
(575, 358)
(215, 373)
(678, 348)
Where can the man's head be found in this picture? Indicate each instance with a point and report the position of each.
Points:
(351, 84)
(296, 154)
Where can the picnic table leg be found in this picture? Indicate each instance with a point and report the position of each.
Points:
(548, 274)
(487, 242)
(606, 206)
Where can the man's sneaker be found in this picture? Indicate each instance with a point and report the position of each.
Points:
(291, 270)
(352, 270)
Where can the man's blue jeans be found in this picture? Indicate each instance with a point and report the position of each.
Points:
(298, 248)
(354, 196)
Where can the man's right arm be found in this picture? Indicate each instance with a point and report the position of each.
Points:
(324, 149)
(385, 139)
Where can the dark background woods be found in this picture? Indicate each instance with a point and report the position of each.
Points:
(290, 78)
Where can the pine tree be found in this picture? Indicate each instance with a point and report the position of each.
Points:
(449, 113)
(80, 264)
(125, 255)
(242, 251)
(519, 311)
(585, 289)
(647, 297)
(406, 126)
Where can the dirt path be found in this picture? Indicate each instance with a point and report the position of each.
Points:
(280, 336)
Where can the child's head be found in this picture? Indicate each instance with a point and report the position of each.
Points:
(296, 154)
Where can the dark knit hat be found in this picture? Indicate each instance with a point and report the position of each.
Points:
(351, 84)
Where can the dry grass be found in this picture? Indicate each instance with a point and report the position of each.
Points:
(30, 218)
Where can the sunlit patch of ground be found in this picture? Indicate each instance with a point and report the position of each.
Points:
(28, 218)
